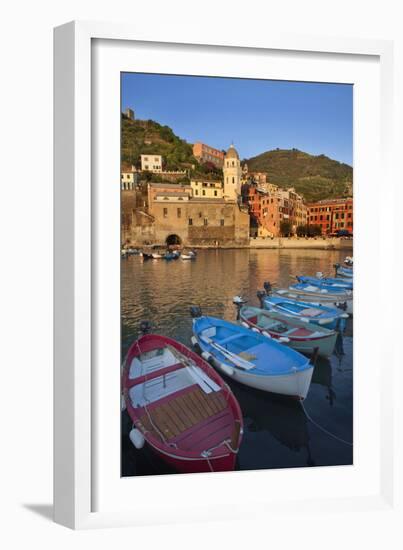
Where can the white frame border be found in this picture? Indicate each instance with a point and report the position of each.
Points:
(72, 153)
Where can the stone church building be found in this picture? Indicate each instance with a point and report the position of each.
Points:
(165, 214)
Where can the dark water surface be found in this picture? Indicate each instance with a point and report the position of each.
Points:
(277, 432)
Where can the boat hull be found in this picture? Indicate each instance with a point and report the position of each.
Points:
(294, 385)
(184, 465)
(324, 344)
(344, 302)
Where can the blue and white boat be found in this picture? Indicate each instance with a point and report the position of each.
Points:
(308, 312)
(343, 271)
(326, 282)
(251, 358)
(340, 297)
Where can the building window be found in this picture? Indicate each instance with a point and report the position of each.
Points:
(165, 212)
(196, 191)
(233, 180)
(205, 222)
(146, 167)
(200, 214)
(221, 222)
(179, 212)
(190, 221)
(203, 192)
(215, 193)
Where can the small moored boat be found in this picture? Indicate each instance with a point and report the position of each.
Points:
(301, 336)
(251, 358)
(328, 283)
(308, 312)
(180, 406)
(343, 271)
(188, 255)
(337, 296)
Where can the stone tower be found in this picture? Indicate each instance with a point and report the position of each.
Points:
(232, 174)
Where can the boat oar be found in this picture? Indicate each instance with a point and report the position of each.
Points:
(238, 361)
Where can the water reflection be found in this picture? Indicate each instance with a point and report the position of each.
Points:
(277, 432)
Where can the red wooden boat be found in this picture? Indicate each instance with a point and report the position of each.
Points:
(180, 406)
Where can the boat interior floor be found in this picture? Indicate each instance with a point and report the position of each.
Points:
(182, 407)
(191, 421)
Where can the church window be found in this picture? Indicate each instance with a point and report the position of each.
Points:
(190, 221)
(205, 221)
(233, 180)
(165, 212)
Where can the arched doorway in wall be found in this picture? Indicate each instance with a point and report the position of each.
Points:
(173, 241)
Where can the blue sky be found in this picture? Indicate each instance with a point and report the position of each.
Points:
(257, 115)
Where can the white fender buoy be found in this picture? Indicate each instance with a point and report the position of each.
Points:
(206, 355)
(305, 320)
(266, 334)
(245, 324)
(344, 315)
(229, 371)
(284, 339)
(122, 404)
(137, 438)
(194, 340)
(324, 321)
(255, 329)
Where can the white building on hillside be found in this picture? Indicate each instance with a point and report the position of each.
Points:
(151, 163)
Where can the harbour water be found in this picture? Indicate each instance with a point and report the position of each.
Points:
(278, 432)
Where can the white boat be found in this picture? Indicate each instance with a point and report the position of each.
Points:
(252, 359)
(317, 295)
(299, 335)
(156, 256)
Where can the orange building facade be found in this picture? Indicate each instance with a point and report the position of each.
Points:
(263, 210)
(332, 215)
(205, 153)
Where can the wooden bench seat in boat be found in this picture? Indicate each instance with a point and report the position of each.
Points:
(186, 413)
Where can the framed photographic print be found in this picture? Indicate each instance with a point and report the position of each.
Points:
(214, 291)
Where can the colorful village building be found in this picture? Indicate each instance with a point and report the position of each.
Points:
(332, 215)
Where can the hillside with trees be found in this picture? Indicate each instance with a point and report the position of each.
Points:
(141, 137)
(315, 177)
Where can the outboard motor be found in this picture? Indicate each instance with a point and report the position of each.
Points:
(336, 267)
(261, 294)
(238, 302)
(268, 288)
(195, 312)
(145, 327)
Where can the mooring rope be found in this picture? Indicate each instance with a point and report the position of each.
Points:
(324, 429)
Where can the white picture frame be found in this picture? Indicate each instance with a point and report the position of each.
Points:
(80, 311)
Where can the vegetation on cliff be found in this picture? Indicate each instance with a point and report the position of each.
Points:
(315, 177)
(139, 137)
